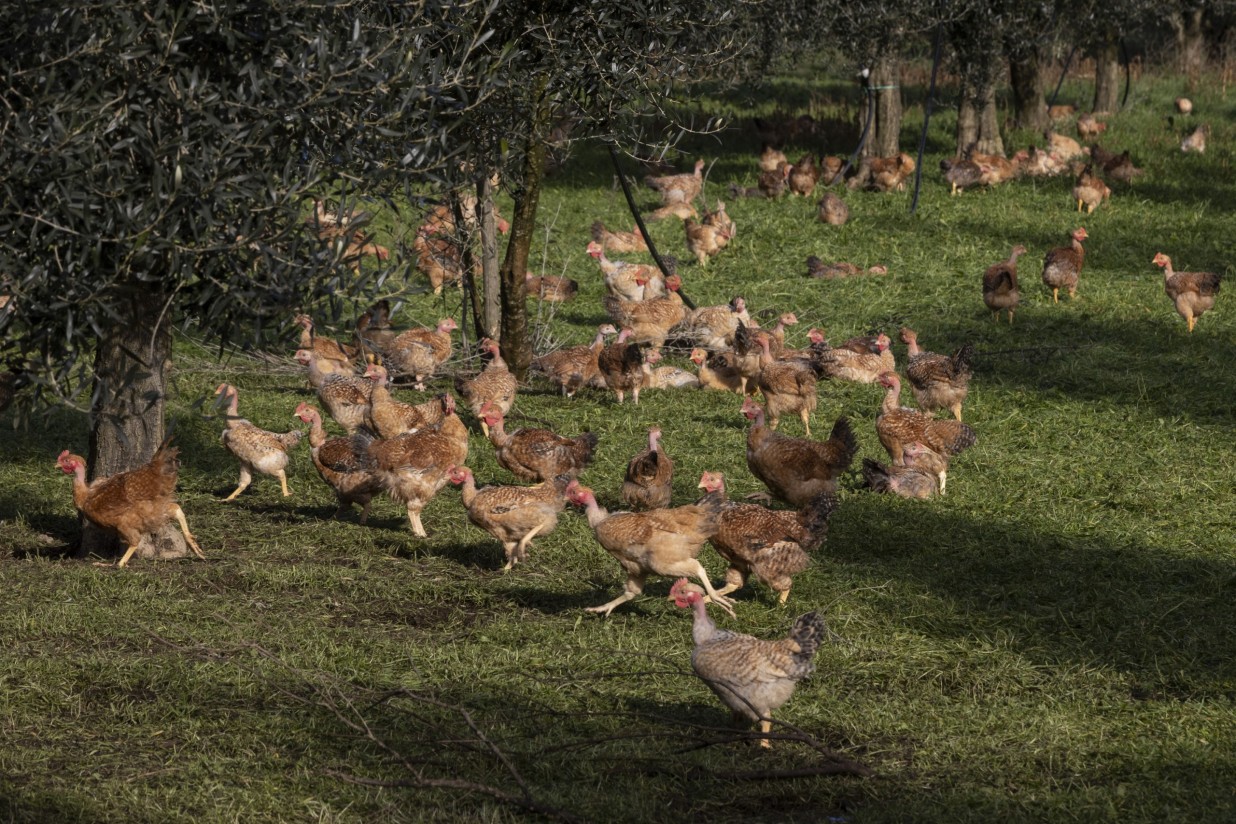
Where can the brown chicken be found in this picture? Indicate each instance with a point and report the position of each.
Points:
(1121, 168)
(340, 465)
(620, 242)
(650, 475)
(661, 542)
(373, 329)
(133, 504)
(1089, 127)
(574, 366)
(438, 258)
(831, 168)
(332, 356)
(1090, 191)
(717, 371)
(917, 477)
(770, 544)
(621, 365)
(413, 467)
(796, 470)
(550, 288)
(1037, 162)
(772, 185)
(937, 381)
(898, 426)
(704, 240)
(538, 454)
(628, 281)
(721, 220)
(1196, 141)
(889, 174)
(994, 169)
(649, 320)
(1062, 266)
(255, 448)
(832, 210)
(680, 210)
(803, 176)
(419, 352)
(1066, 148)
(494, 388)
(346, 397)
(751, 676)
(1193, 293)
(771, 159)
(713, 327)
(671, 377)
(512, 514)
(789, 387)
(854, 364)
(1184, 105)
(389, 417)
(1000, 291)
(678, 188)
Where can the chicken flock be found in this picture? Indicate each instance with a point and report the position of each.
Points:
(412, 451)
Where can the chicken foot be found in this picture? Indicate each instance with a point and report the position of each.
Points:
(179, 515)
(246, 478)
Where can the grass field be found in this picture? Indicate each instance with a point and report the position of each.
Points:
(1051, 641)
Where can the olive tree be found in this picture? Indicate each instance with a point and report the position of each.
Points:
(157, 158)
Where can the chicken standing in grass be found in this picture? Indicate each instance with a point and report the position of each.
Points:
(1000, 291)
(937, 381)
(340, 465)
(796, 470)
(751, 676)
(898, 427)
(255, 448)
(650, 475)
(1062, 266)
(1194, 293)
(512, 514)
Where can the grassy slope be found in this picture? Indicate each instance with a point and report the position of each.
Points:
(1052, 640)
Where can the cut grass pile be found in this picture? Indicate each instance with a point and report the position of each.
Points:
(1051, 641)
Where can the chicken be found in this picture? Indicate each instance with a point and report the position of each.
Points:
(621, 365)
(803, 176)
(771, 544)
(133, 504)
(796, 470)
(512, 514)
(1196, 141)
(717, 371)
(1062, 266)
(1089, 127)
(722, 222)
(647, 484)
(832, 210)
(680, 210)
(703, 240)
(1066, 148)
(961, 173)
(713, 327)
(344, 230)
(1090, 190)
(678, 188)
(551, 288)
(1121, 168)
(1061, 111)
(620, 242)
(776, 335)
(1037, 162)
(346, 397)
(332, 356)
(661, 542)
(1184, 105)
(419, 352)
(389, 417)
(771, 159)
(373, 329)
(494, 387)
(412, 467)
(885, 174)
(773, 184)
(438, 258)
(1193, 293)
(855, 364)
(538, 454)
(340, 465)
(628, 281)
(994, 169)
(817, 268)
(255, 448)
(574, 366)
(897, 427)
(1000, 290)
(937, 381)
(787, 386)
(671, 377)
(649, 320)
(751, 676)
(917, 477)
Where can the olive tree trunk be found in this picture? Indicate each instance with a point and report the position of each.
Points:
(491, 310)
(884, 139)
(1107, 76)
(1026, 84)
(1187, 24)
(978, 124)
(130, 376)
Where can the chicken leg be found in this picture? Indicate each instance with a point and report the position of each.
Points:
(246, 478)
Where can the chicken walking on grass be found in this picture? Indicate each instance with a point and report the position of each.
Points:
(255, 448)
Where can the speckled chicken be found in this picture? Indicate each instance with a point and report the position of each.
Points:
(937, 381)
(1193, 293)
(134, 504)
(898, 426)
(346, 397)
(832, 210)
(682, 187)
(704, 240)
(1089, 190)
(788, 386)
(628, 281)
(751, 676)
(649, 320)
(574, 366)
(722, 222)
(771, 544)
(551, 288)
(1196, 141)
(917, 477)
(438, 258)
(340, 465)
(413, 467)
(1000, 290)
(660, 542)
(532, 454)
(256, 449)
(332, 356)
(1062, 266)
(619, 242)
(650, 475)
(512, 514)
(713, 327)
(419, 352)
(493, 388)
(771, 158)
(852, 364)
(796, 470)
(717, 370)
(621, 365)
(389, 417)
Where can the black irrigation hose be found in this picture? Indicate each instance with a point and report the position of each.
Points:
(639, 222)
(922, 138)
(1128, 72)
(1063, 73)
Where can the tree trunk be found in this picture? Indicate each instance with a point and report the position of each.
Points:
(516, 344)
(1107, 76)
(1026, 83)
(491, 310)
(978, 123)
(127, 411)
(1190, 41)
(884, 139)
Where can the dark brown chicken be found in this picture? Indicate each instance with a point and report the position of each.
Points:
(133, 504)
(621, 365)
(650, 474)
(389, 417)
(787, 386)
(1062, 266)
(1193, 293)
(796, 470)
(937, 381)
(1000, 291)
(340, 465)
(538, 454)
(832, 210)
(898, 426)
(803, 176)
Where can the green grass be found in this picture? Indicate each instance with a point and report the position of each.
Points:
(1051, 641)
